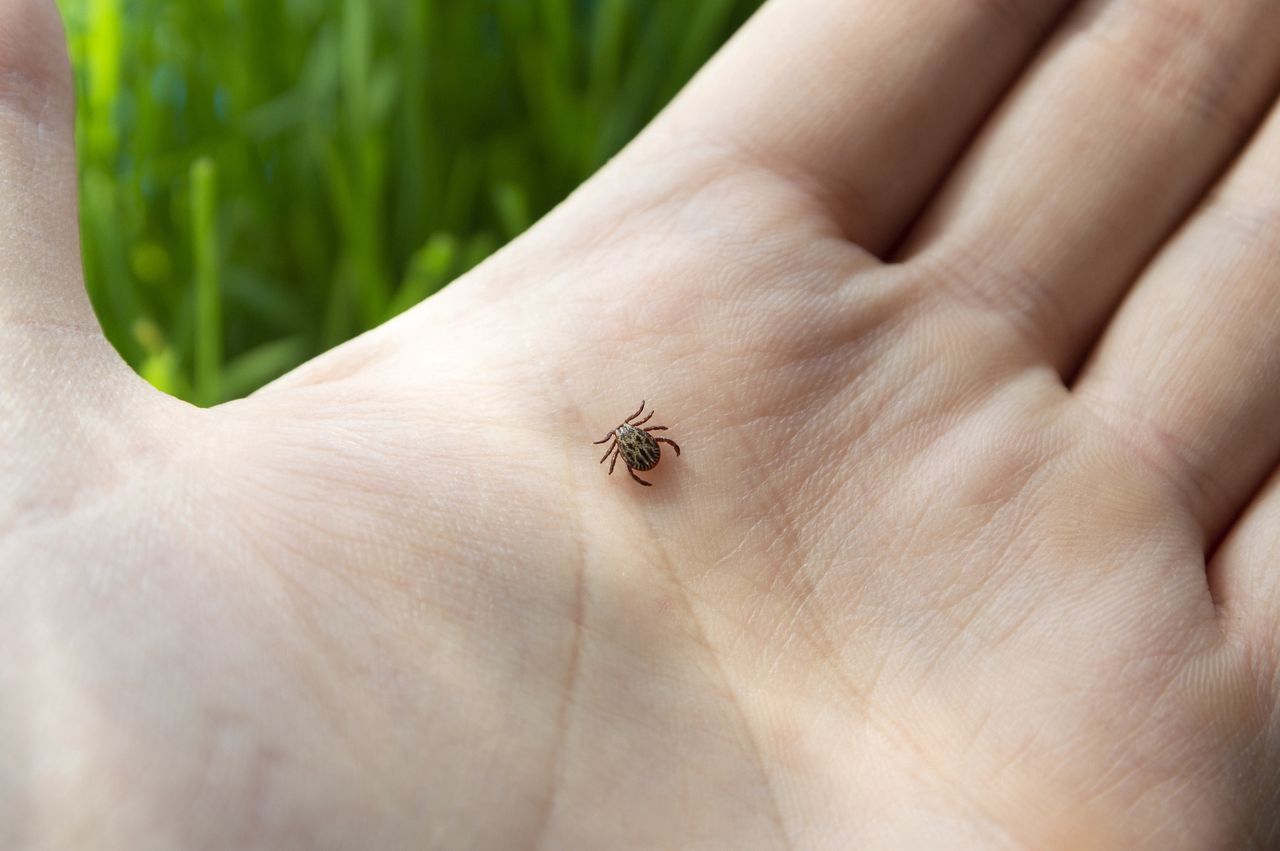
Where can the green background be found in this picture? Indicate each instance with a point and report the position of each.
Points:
(263, 179)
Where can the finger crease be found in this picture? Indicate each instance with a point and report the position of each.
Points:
(1008, 289)
(1165, 454)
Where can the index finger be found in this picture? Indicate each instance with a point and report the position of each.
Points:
(864, 103)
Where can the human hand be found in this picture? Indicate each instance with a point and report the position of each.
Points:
(970, 544)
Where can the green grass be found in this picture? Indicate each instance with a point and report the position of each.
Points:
(263, 179)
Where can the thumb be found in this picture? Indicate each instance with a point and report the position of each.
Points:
(40, 279)
(66, 397)
(49, 336)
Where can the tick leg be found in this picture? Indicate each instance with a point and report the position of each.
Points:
(636, 414)
(668, 440)
(607, 451)
(645, 420)
(603, 439)
(654, 428)
(638, 479)
(616, 450)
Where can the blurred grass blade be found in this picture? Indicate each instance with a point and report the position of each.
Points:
(208, 327)
(104, 52)
(513, 208)
(256, 367)
(431, 268)
(160, 366)
(111, 286)
(705, 29)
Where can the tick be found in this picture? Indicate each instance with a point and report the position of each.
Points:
(638, 448)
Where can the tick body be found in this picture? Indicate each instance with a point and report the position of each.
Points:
(633, 443)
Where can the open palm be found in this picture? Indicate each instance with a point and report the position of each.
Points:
(967, 319)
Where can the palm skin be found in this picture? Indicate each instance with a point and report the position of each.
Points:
(917, 580)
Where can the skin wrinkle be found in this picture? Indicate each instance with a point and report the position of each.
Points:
(824, 355)
(1030, 472)
(1224, 776)
(1263, 701)
(565, 715)
(564, 718)
(54, 327)
(868, 416)
(353, 590)
(669, 571)
(794, 579)
(651, 217)
(1042, 469)
(143, 462)
(200, 780)
(888, 730)
(222, 724)
(354, 582)
(1162, 453)
(376, 489)
(1254, 221)
(1119, 772)
(873, 430)
(987, 592)
(965, 393)
(1015, 295)
(735, 701)
(834, 196)
(986, 819)
(1014, 627)
(1268, 825)
(306, 609)
(1168, 49)
(748, 626)
(1046, 817)
(776, 326)
(321, 531)
(1163, 791)
(25, 103)
(1004, 569)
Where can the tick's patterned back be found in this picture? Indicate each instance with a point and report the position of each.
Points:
(639, 450)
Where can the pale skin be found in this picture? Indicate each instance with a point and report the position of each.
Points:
(967, 316)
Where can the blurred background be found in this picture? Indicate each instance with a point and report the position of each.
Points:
(263, 179)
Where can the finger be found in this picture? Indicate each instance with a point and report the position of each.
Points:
(40, 281)
(52, 351)
(863, 103)
(1244, 576)
(51, 345)
(1107, 143)
(1189, 369)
